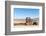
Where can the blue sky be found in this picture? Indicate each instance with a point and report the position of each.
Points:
(25, 12)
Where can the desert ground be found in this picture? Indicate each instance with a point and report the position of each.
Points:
(23, 22)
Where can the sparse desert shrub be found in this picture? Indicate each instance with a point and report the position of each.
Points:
(35, 23)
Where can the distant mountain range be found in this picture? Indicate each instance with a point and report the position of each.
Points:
(35, 19)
